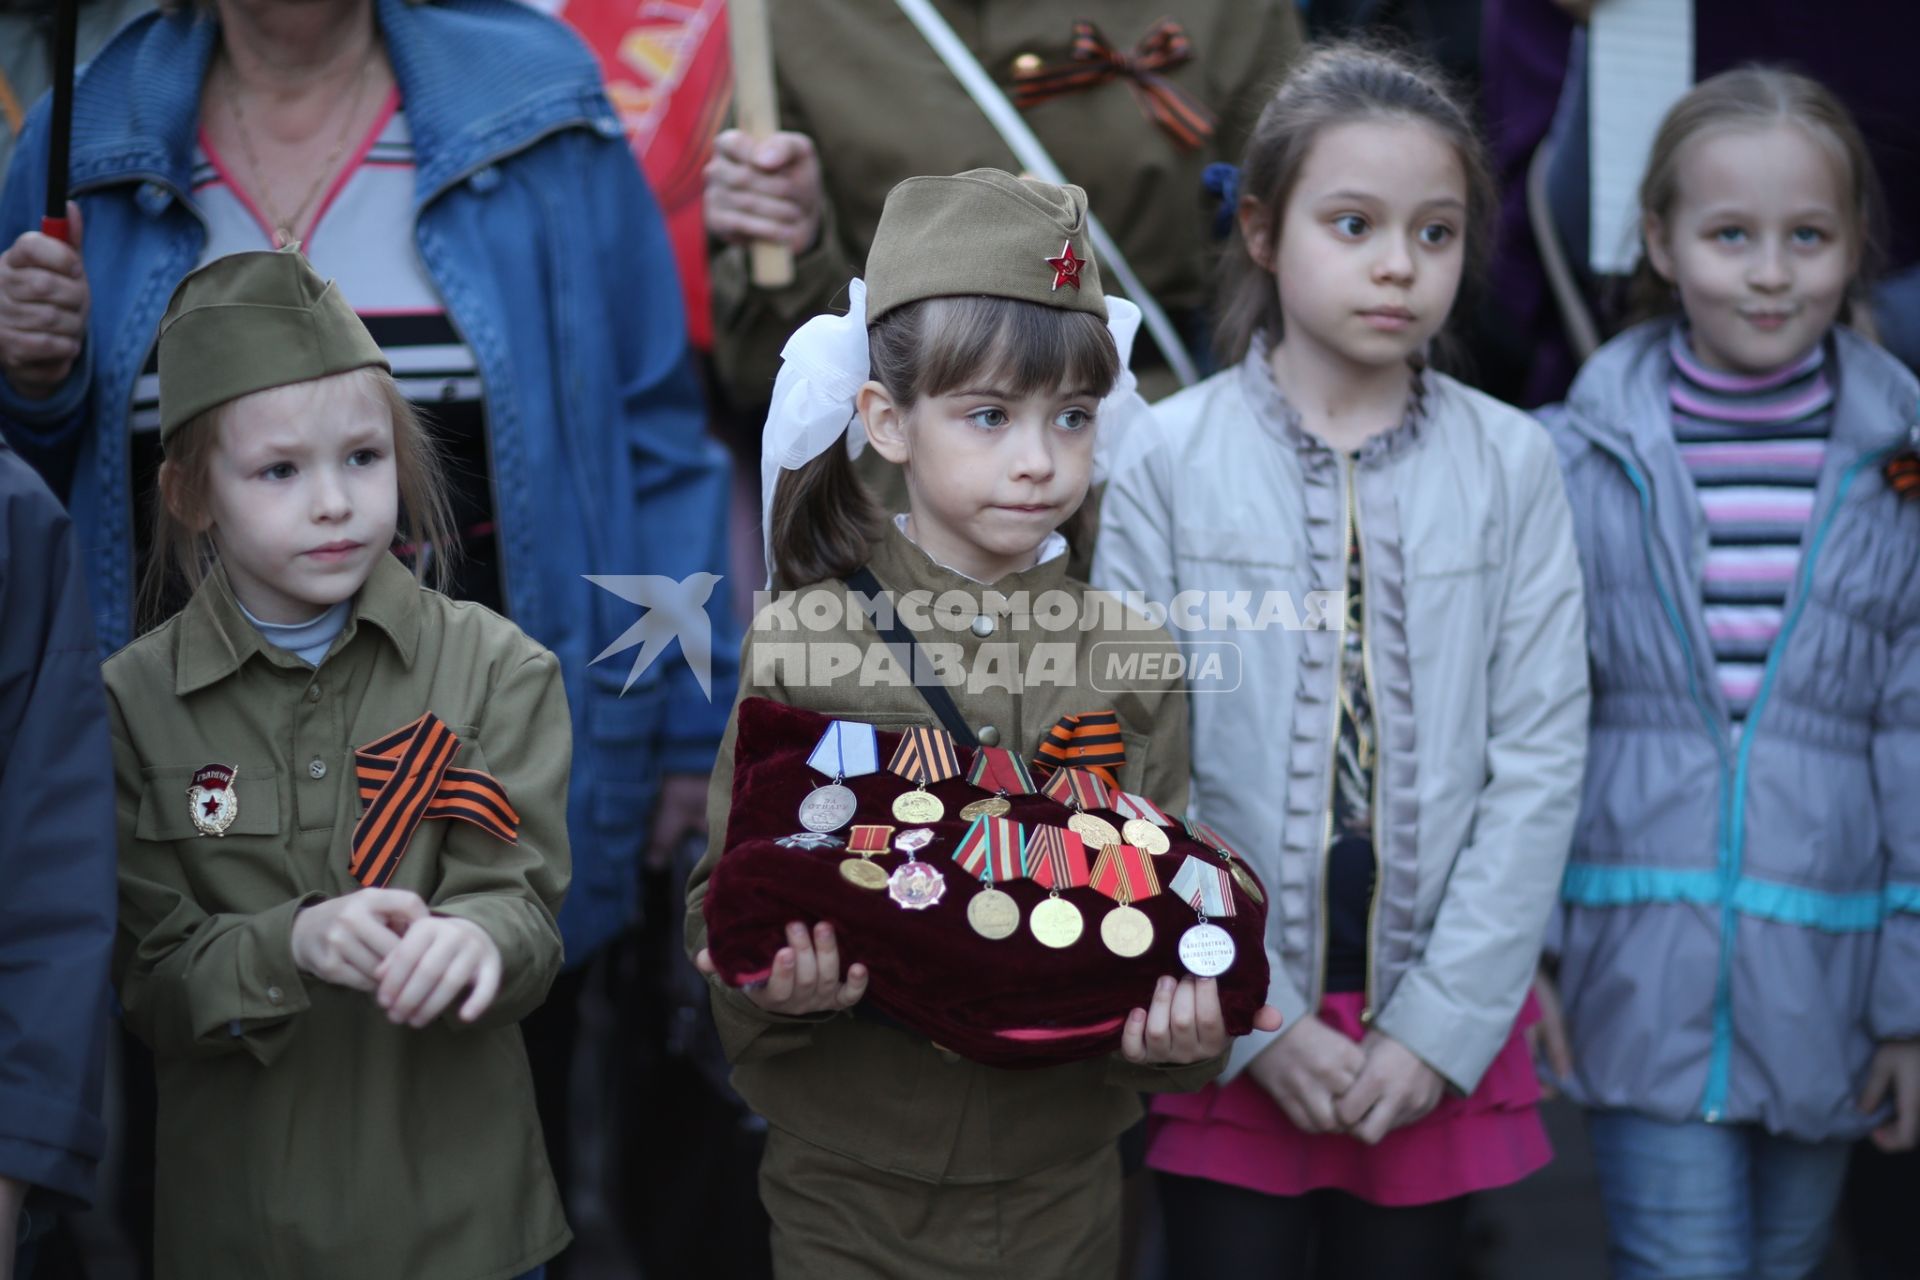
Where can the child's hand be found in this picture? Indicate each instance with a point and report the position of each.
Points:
(344, 939)
(1547, 1039)
(437, 960)
(1895, 1069)
(806, 975)
(1308, 1067)
(1395, 1088)
(1184, 1024)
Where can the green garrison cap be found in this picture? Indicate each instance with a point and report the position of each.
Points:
(983, 232)
(251, 321)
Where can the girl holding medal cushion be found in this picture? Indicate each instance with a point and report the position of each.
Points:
(342, 810)
(982, 324)
(1404, 777)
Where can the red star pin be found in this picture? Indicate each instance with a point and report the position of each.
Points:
(1066, 267)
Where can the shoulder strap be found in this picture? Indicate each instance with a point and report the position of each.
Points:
(1035, 159)
(900, 640)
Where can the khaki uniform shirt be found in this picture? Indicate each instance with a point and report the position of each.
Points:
(877, 1093)
(857, 77)
(301, 1134)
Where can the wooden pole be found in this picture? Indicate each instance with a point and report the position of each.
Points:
(756, 110)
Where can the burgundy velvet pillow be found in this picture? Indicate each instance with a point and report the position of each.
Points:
(1014, 1002)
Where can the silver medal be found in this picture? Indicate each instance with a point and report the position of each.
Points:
(1206, 950)
(828, 808)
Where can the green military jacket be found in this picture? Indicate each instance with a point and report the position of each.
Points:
(873, 1092)
(857, 77)
(302, 1135)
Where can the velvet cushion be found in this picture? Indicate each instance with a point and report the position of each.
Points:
(1008, 1003)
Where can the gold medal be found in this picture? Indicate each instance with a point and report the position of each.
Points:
(213, 800)
(993, 914)
(991, 807)
(1142, 834)
(1246, 881)
(864, 872)
(917, 807)
(1097, 832)
(1126, 931)
(1056, 923)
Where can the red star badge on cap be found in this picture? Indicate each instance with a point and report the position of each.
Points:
(1066, 267)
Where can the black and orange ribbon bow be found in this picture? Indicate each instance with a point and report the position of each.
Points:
(1095, 62)
(1085, 740)
(406, 778)
(1902, 470)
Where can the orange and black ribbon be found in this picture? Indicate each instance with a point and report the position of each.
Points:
(406, 778)
(925, 756)
(1095, 61)
(1086, 740)
(1903, 473)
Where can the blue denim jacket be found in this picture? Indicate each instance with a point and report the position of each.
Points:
(553, 262)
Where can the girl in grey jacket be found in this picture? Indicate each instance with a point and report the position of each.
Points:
(1371, 570)
(1740, 946)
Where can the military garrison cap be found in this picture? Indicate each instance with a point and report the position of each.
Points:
(983, 232)
(250, 321)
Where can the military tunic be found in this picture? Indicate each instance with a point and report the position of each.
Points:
(874, 1100)
(857, 77)
(300, 1133)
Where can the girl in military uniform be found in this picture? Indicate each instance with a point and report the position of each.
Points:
(342, 823)
(979, 358)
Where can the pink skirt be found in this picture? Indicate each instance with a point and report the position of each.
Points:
(1235, 1133)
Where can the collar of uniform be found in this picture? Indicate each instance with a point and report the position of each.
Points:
(901, 565)
(1278, 414)
(216, 639)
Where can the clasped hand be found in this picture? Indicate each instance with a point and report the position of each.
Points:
(386, 942)
(1328, 1084)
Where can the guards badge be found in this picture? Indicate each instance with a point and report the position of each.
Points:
(213, 800)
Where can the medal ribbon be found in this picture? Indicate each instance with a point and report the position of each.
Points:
(848, 749)
(869, 839)
(406, 778)
(993, 849)
(1129, 805)
(1204, 887)
(999, 770)
(925, 756)
(1207, 836)
(1125, 874)
(1095, 61)
(1056, 858)
(1079, 789)
(1088, 739)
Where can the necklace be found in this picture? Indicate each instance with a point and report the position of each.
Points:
(284, 228)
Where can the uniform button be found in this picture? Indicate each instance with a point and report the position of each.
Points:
(313, 693)
(989, 736)
(1027, 63)
(275, 995)
(1366, 1017)
(316, 768)
(983, 626)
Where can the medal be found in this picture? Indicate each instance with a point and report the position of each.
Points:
(917, 885)
(998, 770)
(1129, 805)
(847, 749)
(992, 914)
(212, 799)
(1056, 860)
(1056, 923)
(1207, 836)
(1126, 875)
(1098, 833)
(918, 806)
(863, 870)
(810, 840)
(991, 807)
(1206, 949)
(1079, 789)
(1142, 834)
(993, 849)
(924, 756)
(912, 842)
